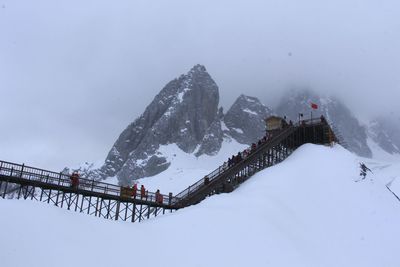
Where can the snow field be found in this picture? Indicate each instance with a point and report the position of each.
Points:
(310, 210)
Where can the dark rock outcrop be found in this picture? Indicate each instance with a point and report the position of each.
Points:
(245, 119)
(185, 112)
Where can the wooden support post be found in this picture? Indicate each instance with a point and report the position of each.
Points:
(313, 127)
(22, 170)
(126, 211)
(90, 204)
(134, 212)
(41, 194)
(76, 201)
(101, 207)
(117, 211)
(33, 193)
(58, 193)
(69, 201)
(62, 199)
(49, 196)
(81, 206)
(19, 191)
(24, 192)
(140, 213)
(5, 190)
(108, 209)
(97, 207)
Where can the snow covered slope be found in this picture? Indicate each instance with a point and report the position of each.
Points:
(310, 210)
(186, 169)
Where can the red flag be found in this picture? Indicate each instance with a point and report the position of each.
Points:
(314, 106)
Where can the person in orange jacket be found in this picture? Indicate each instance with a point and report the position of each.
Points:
(142, 192)
(159, 197)
(134, 190)
(75, 179)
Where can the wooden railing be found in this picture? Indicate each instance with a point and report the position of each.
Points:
(23, 172)
(26, 173)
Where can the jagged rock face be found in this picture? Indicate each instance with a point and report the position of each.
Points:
(385, 131)
(245, 119)
(185, 112)
(212, 140)
(354, 134)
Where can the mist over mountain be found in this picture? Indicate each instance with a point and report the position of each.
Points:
(186, 113)
(353, 133)
(385, 131)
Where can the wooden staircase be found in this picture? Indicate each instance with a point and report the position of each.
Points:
(108, 201)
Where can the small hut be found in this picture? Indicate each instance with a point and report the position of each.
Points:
(275, 123)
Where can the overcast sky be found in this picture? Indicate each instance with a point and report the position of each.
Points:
(74, 74)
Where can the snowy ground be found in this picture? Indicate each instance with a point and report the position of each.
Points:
(310, 210)
(186, 169)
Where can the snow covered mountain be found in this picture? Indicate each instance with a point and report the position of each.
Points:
(185, 113)
(354, 134)
(385, 131)
(245, 119)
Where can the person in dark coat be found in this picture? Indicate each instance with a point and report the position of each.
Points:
(363, 171)
(253, 147)
(229, 162)
(239, 157)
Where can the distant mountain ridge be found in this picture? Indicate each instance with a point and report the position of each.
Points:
(385, 131)
(355, 135)
(186, 112)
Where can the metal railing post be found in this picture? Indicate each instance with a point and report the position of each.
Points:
(22, 170)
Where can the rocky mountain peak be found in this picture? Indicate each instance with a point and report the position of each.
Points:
(198, 68)
(185, 113)
(244, 121)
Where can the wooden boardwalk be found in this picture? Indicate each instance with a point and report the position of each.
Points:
(107, 201)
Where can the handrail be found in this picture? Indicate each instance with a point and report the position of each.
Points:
(217, 172)
(63, 180)
(59, 179)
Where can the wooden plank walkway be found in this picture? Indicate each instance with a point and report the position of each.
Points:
(105, 200)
